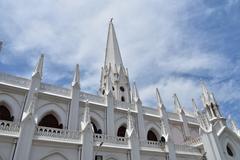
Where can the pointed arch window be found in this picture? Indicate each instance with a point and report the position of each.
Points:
(5, 114)
(123, 99)
(229, 150)
(121, 131)
(96, 130)
(151, 136)
(50, 121)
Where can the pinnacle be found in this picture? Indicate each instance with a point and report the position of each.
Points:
(39, 67)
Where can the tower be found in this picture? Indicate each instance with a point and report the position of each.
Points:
(210, 104)
(114, 76)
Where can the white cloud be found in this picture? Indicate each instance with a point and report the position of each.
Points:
(155, 40)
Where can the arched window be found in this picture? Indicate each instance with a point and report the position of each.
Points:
(151, 136)
(121, 131)
(122, 89)
(229, 150)
(50, 121)
(122, 99)
(98, 131)
(5, 114)
(95, 128)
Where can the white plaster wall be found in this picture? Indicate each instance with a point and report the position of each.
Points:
(177, 132)
(51, 151)
(114, 154)
(6, 148)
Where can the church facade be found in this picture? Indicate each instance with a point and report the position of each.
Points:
(40, 121)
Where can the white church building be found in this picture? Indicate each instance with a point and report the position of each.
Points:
(40, 121)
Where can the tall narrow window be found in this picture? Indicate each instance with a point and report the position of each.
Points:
(121, 131)
(5, 114)
(151, 136)
(122, 99)
(50, 121)
(229, 151)
(96, 130)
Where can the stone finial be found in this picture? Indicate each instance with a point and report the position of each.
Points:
(159, 99)
(176, 102)
(135, 92)
(195, 107)
(76, 78)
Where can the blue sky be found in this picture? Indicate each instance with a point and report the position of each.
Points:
(166, 44)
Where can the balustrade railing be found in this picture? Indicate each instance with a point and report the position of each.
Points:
(110, 139)
(13, 80)
(55, 90)
(123, 105)
(186, 149)
(92, 98)
(9, 127)
(57, 133)
(152, 144)
(194, 141)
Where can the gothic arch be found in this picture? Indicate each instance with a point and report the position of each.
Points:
(96, 126)
(119, 122)
(98, 120)
(112, 157)
(153, 127)
(53, 109)
(54, 156)
(11, 104)
(152, 135)
(121, 131)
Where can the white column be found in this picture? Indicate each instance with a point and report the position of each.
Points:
(212, 146)
(87, 136)
(24, 143)
(110, 114)
(133, 140)
(165, 127)
(141, 125)
(74, 107)
(27, 126)
(87, 143)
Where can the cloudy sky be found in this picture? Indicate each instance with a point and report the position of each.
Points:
(171, 45)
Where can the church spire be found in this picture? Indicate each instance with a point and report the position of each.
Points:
(113, 55)
(114, 76)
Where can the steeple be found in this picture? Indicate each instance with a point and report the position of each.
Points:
(113, 55)
(39, 67)
(114, 76)
(210, 103)
(76, 78)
